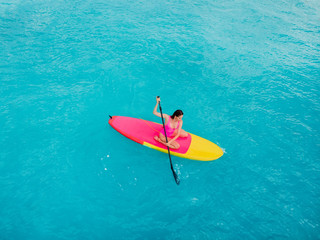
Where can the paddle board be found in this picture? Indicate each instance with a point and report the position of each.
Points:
(143, 132)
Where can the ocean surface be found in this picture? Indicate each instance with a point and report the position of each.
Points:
(246, 75)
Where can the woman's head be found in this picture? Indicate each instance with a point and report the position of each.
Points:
(177, 113)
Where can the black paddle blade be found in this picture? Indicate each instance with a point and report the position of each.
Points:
(176, 178)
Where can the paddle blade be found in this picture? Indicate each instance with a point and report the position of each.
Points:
(176, 178)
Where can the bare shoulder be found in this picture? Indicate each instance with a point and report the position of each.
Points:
(166, 116)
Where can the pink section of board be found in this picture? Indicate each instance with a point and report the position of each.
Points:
(141, 131)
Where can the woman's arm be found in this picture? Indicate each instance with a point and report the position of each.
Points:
(165, 116)
(156, 107)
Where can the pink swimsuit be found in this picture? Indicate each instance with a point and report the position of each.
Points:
(169, 129)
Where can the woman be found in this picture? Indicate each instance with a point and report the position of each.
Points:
(173, 127)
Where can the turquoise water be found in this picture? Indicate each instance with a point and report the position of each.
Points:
(245, 73)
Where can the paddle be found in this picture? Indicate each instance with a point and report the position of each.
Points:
(176, 178)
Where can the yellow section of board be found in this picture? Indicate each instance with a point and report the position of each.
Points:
(200, 149)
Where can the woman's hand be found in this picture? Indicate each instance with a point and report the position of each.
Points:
(158, 99)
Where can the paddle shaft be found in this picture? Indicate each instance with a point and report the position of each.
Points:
(165, 133)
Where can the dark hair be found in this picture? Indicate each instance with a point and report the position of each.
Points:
(177, 113)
